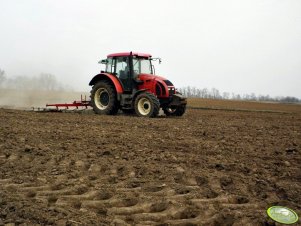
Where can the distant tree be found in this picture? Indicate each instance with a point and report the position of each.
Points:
(253, 97)
(194, 91)
(214, 93)
(246, 97)
(205, 93)
(44, 81)
(21, 82)
(2, 76)
(226, 95)
(290, 100)
(188, 91)
(47, 81)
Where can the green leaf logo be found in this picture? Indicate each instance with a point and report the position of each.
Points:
(282, 215)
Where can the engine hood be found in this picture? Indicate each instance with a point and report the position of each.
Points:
(144, 77)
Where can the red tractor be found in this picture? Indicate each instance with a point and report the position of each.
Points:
(129, 83)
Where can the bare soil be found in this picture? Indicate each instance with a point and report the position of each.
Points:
(209, 167)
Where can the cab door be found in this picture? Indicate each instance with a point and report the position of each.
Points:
(122, 71)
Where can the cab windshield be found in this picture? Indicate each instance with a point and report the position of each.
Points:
(142, 66)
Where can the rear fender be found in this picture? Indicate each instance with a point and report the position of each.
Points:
(108, 77)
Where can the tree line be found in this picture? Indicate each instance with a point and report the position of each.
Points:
(44, 81)
(214, 93)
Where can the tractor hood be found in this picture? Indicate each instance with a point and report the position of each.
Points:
(156, 84)
(145, 77)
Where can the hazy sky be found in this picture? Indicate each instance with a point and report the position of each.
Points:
(239, 46)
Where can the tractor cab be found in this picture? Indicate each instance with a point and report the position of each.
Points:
(127, 67)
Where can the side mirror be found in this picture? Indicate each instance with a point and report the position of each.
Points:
(105, 61)
(157, 58)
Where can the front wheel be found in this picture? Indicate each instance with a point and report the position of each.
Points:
(175, 111)
(103, 98)
(147, 105)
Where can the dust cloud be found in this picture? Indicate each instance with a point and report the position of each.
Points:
(26, 99)
(37, 91)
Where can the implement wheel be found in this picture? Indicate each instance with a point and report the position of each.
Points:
(103, 98)
(147, 105)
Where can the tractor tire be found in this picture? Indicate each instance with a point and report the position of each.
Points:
(178, 111)
(147, 105)
(104, 99)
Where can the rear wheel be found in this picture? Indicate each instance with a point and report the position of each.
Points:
(147, 105)
(103, 98)
(175, 111)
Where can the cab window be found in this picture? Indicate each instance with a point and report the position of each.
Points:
(142, 66)
(110, 65)
(122, 67)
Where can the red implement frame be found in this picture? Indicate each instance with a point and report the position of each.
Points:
(76, 104)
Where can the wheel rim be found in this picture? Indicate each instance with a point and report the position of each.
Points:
(171, 110)
(102, 98)
(144, 106)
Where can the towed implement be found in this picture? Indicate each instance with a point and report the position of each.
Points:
(129, 83)
(82, 103)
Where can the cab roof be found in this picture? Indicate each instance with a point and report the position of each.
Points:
(129, 53)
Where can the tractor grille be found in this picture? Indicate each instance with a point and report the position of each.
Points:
(171, 91)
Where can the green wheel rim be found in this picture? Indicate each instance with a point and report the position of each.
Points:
(282, 214)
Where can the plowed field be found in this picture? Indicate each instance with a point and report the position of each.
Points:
(209, 167)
